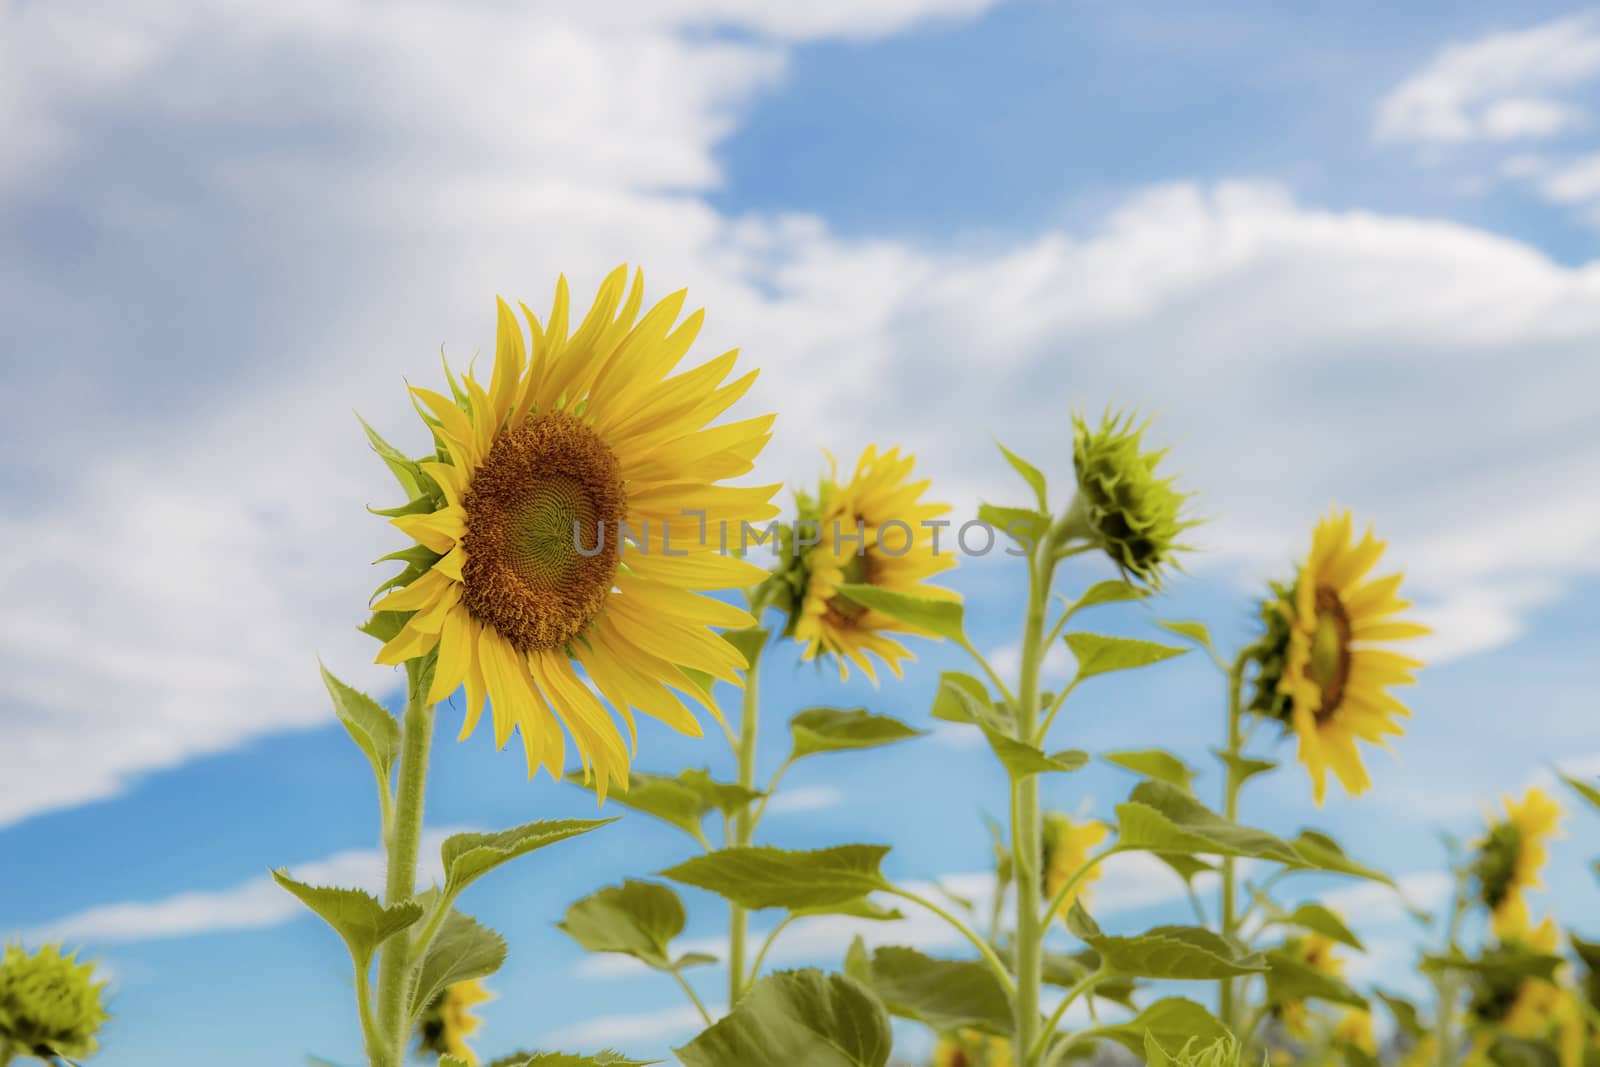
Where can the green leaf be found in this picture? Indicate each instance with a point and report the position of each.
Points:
(798, 1018)
(1030, 474)
(1243, 768)
(1321, 920)
(561, 1059)
(1292, 978)
(1100, 654)
(774, 878)
(1022, 759)
(750, 643)
(412, 481)
(1172, 952)
(1405, 1013)
(962, 698)
(1320, 852)
(726, 797)
(667, 799)
(1499, 965)
(356, 916)
(1110, 592)
(836, 730)
(1584, 790)
(368, 723)
(1194, 631)
(461, 951)
(1158, 817)
(469, 856)
(1154, 763)
(941, 618)
(947, 995)
(637, 919)
(1016, 523)
(863, 908)
(1186, 867)
(1171, 1022)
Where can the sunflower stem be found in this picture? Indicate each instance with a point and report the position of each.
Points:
(1025, 815)
(1230, 918)
(744, 823)
(403, 842)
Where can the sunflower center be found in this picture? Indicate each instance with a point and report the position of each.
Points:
(1330, 650)
(546, 497)
(857, 570)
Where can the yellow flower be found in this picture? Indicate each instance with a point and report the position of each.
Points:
(972, 1049)
(1066, 848)
(1316, 952)
(448, 1021)
(1334, 676)
(573, 440)
(871, 531)
(1355, 1028)
(1510, 857)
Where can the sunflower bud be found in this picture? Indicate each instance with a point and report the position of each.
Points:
(1121, 505)
(1224, 1052)
(1271, 656)
(50, 1004)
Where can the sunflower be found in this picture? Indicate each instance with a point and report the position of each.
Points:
(972, 1049)
(1334, 676)
(1543, 1010)
(578, 446)
(1509, 859)
(870, 530)
(1066, 848)
(1317, 952)
(1354, 1028)
(448, 1021)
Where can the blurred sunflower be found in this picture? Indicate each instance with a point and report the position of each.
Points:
(1332, 673)
(1542, 1010)
(448, 1021)
(869, 530)
(1354, 1028)
(1066, 848)
(574, 440)
(1316, 952)
(1510, 857)
(972, 1049)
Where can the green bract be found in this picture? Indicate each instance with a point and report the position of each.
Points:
(1272, 654)
(1122, 505)
(50, 1004)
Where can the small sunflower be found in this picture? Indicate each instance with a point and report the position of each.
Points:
(1510, 857)
(1318, 953)
(972, 1049)
(448, 1021)
(577, 445)
(1066, 848)
(1355, 1028)
(50, 1004)
(870, 530)
(1333, 673)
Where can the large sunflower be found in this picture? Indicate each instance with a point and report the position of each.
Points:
(448, 1021)
(868, 530)
(1509, 859)
(1335, 676)
(577, 444)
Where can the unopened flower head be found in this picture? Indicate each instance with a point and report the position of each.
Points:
(1510, 856)
(1335, 672)
(1122, 505)
(448, 1022)
(874, 529)
(50, 1004)
(577, 435)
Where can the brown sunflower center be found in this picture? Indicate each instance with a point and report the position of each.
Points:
(547, 489)
(1330, 650)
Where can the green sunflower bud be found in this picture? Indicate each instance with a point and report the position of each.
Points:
(1224, 1052)
(1271, 655)
(50, 1004)
(1121, 506)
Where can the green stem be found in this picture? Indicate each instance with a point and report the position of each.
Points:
(1025, 829)
(404, 841)
(1072, 883)
(1083, 985)
(766, 946)
(744, 823)
(983, 664)
(693, 997)
(1448, 985)
(1230, 808)
(985, 949)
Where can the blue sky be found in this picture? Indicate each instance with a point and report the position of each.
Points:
(1342, 258)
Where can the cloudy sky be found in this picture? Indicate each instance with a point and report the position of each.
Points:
(1350, 256)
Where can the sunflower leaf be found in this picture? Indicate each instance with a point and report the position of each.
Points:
(726, 797)
(1030, 474)
(1154, 763)
(469, 856)
(368, 723)
(1169, 952)
(1320, 852)
(774, 878)
(637, 919)
(355, 915)
(1243, 768)
(405, 470)
(1159, 817)
(1292, 978)
(1171, 1022)
(837, 730)
(962, 698)
(1102, 654)
(1022, 759)
(939, 617)
(797, 1017)
(946, 995)
(1584, 789)
(1194, 631)
(750, 643)
(461, 951)
(1321, 920)
(1023, 525)
(1109, 592)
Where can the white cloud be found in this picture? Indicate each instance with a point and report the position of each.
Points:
(1372, 904)
(254, 904)
(607, 1031)
(806, 799)
(1504, 86)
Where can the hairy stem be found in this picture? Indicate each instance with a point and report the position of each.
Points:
(744, 823)
(1230, 917)
(1025, 846)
